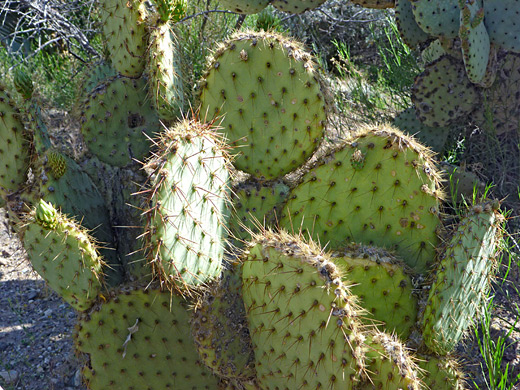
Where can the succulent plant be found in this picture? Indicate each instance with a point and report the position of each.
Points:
(170, 306)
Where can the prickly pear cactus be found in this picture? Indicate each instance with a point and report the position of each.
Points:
(269, 94)
(63, 253)
(304, 321)
(188, 205)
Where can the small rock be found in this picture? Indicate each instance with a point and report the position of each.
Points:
(47, 313)
(10, 377)
(39, 369)
(78, 378)
(33, 294)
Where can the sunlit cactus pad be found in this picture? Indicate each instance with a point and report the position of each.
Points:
(188, 205)
(125, 33)
(442, 373)
(303, 321)
(380, 188)
(384, 286)
(268, 91)
(389, 365)
(462, 278)
(64, 254)
(140, 339)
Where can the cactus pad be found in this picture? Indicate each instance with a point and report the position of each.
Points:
(474, 39)
(14, 146)
(384, 286)
(256, 203)
(220, 329)
(63, 253)
(441, 373)
(437, 18)
(381, 187)
(442, 93)
(462, 279)
(501, 20)
(117, 121)
(303, 321)
(165, 71)
(244, 6)
(390, 367)
(268, 91)
(125, 33)
(500, 113)
(408, 28)
(377, 4)
(433, 137)
(140, 339)
(188, 199)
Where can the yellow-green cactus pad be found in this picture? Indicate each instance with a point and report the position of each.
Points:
(141, 339)
(441, 373)
(381, 188)
(304, 322)
(389, 365)
(384, 286)
(165, 71)
(268, 92)
(126, 36)
(64, 254)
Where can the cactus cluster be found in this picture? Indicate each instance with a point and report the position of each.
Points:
(305, 274)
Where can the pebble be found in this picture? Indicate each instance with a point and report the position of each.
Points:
(47, 313)
(78, 378)
(10, 377)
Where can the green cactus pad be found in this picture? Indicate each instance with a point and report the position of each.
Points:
(462, 279)
(96, 75)
(256, 204)
(64, 184)
(409, 30)
(63, 253)
(377, 4)
(500, 113)
(474, 39)
(296, 6)
(442, 93)
(433, 137)
(165, 71)
(437, 18)
(15, 147)
(389, 365)
(501, 20)
(220, 330)
(441, 373)
(188, 201)
(118, 120)
(268, 90)
(384, 286)
(433, 51)
(140, 339)
(244, 6)
(391, 202)
(125, 33)
(303, 321)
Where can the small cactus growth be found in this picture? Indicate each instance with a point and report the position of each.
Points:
(327, 288)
